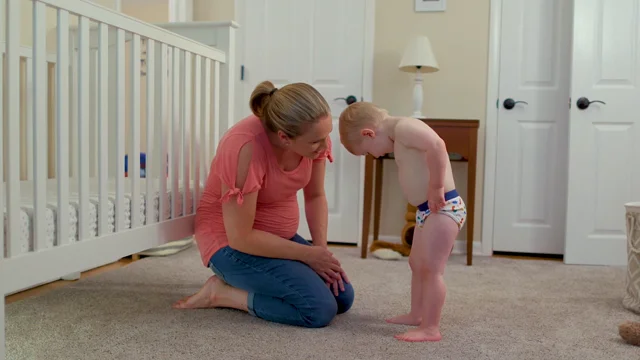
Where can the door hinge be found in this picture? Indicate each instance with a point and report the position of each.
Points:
(569, 102)
(241, 72)
(498, 103)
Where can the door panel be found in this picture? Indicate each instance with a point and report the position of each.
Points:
(604, 155)
(531, 149)
(320, 42)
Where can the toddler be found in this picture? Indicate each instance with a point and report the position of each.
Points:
(426, 179)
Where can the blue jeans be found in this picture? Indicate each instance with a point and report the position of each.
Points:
(283, 291)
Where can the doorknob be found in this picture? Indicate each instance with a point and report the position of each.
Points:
(509, 103)
(584, 103)
(349, 99)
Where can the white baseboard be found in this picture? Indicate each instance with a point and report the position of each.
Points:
(460, 247)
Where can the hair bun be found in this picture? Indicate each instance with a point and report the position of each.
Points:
(260, 98)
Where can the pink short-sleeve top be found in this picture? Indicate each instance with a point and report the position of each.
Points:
(277, 205)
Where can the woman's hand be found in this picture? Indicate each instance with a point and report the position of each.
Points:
(338, 284)
(322, 261)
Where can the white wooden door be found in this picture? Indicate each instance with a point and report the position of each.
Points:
(532, 136)
(604, 143)
(320, 42)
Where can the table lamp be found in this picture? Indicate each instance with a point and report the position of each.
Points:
(418, 58)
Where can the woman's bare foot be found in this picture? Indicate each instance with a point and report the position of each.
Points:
(417, 335)
(214, 293)
(406, 319)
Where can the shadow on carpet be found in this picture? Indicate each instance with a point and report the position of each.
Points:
(496, 309)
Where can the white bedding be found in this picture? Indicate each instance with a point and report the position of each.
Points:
(27, 209)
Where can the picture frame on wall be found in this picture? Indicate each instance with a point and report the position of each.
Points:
(430, 5)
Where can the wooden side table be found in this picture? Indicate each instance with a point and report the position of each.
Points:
(461, 138)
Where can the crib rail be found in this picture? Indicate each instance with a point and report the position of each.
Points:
(104, 89)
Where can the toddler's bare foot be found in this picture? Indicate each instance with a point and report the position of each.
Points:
(208, 296)
(406, 319)
(417, 335)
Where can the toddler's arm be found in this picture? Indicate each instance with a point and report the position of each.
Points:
(415, 134)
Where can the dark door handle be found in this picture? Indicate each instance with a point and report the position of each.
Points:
(349, 99)
(584, 103)
(509, 103)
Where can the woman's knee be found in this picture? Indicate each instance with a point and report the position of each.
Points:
(320, 312)
(345, 299)
(323, 308)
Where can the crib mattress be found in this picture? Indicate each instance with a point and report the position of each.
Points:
(27, 210)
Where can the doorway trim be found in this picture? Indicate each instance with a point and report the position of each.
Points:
(491, 125)
(367, 93)
(367, 81)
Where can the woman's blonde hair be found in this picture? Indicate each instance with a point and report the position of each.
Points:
(291, 109)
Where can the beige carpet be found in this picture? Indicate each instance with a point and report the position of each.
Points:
(496, 309)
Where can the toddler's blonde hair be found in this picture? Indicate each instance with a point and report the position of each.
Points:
(354, 118)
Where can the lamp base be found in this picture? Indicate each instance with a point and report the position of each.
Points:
(417, 95)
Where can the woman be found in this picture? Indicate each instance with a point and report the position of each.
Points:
(248, 216)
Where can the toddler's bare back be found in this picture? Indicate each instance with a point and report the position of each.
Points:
(413, 172)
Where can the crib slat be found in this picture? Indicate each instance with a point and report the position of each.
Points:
(169, 129)
(120, 116)
(216, 106)
(205, 133)
(93, 113)
(134, 156)
(175, 146)
(150, 168)
(40, 124)
(83, 127)
(27, 92)
(103, 127)
(13, 26)
(186, 133)
(163, 129)
(62, 118)
(197, 96)
(73, 125)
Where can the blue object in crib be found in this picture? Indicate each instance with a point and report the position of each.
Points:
(143, 162)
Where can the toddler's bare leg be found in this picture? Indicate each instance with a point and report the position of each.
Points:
(415, 315)
(428, 259)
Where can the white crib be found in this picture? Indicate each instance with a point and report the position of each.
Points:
(90, 86)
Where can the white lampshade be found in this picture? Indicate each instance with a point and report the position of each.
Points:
(419, 53)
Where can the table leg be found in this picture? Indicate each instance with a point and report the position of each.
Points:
(366, 216)
(471, 201)
(377, 200)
